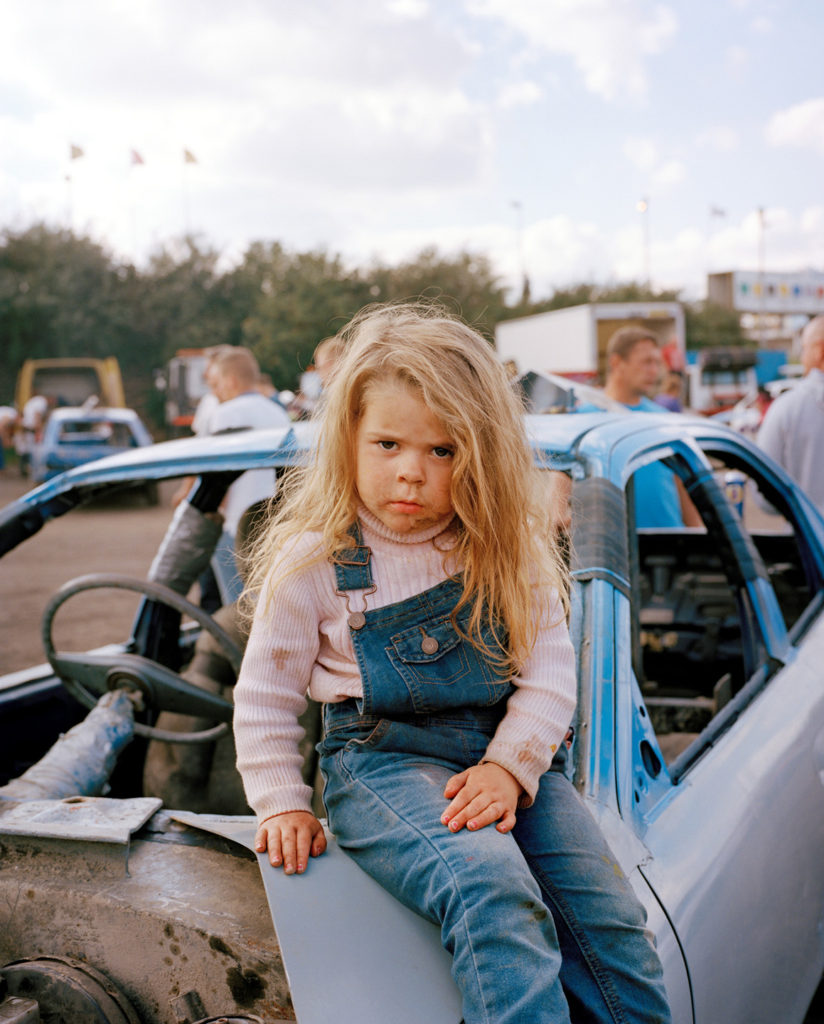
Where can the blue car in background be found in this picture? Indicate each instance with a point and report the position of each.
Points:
(75, 436)
(698, 743)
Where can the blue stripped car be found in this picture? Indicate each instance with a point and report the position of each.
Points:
(698, 742)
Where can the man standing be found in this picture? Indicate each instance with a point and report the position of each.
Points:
(235, 374)
(32, 420)
(634, 369)
(794, 424)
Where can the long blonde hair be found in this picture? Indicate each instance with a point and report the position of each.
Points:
(505, 543)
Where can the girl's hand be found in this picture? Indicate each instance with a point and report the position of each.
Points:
(481, 795)
(290, 838)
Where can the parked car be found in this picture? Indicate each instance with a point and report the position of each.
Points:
(747, 415)
(74, 436)
(698, 748)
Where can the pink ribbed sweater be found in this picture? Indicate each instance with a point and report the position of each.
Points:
(300, 638)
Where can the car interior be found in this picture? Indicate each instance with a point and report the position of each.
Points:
(696, 644)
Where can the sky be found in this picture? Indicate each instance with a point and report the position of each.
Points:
(567, 140)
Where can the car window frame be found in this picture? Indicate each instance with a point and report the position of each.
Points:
(644, 782)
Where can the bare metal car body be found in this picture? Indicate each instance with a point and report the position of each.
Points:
(699, 743)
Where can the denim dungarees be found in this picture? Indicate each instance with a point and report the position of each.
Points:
(425, 689)
(541, 926)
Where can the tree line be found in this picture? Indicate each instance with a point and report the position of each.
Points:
(63, 294)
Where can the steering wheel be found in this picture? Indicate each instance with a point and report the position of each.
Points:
(88, 676)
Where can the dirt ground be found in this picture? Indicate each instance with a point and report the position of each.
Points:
(122, 538)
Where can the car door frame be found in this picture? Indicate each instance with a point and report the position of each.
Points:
(762, 751)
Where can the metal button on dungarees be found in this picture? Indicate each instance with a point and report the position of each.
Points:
(429, 644)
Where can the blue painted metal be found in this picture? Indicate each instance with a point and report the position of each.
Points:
(318, 914)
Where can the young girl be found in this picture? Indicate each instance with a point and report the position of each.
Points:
(409, 584)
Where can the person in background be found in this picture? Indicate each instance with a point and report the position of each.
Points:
(634, 369)
(266, 387)
(32, 420)
(326, 358)
(8, 423)
(309, 389)
(317, 376)
(201, 426)
(793, 426)
(242, 407)
(671, 395)
(209, 402)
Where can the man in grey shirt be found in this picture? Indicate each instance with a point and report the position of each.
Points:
(793, 429)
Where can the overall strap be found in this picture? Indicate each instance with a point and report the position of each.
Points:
(352, 568)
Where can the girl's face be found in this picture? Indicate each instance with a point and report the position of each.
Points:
(403, 458)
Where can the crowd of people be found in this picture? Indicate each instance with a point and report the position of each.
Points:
(790, 430)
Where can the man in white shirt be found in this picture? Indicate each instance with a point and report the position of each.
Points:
(32, 420)
(794, 424)
(209, 402)
(235, 375)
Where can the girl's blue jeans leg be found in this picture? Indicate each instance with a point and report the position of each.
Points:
(385, 811)
(611, 972)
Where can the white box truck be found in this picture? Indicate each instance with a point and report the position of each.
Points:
(572, 341)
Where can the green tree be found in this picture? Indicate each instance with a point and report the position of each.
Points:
(301, 299)
(588, 291)
(709, 325)
(60, 295)
(465, 284)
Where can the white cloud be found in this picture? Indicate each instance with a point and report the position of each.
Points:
(801, 125)
(790, 242)
(738, 58)
(408, 8)
(720, 137)
(519, 94)
(812, 221)
(643, 153)
(671, 172)
(609, 40)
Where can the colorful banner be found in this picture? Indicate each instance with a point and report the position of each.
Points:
(802, 292)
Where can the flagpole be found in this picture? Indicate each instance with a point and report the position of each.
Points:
(75, 152)
(188, 158)
(762, 327)
(186, 225)
(643, 208)
(518, 207)
(712, 212)
(136, 160)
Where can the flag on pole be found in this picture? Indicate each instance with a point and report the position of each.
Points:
(189, 157)
(137, 158)
(75, 152)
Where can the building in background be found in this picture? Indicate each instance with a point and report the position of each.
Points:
(773, 306)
